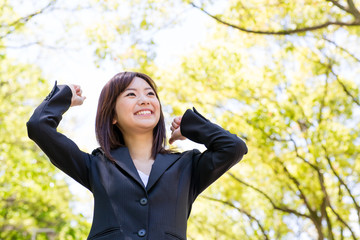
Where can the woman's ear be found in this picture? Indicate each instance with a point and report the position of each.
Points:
(114, 121)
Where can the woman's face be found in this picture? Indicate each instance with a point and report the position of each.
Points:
(137, 108)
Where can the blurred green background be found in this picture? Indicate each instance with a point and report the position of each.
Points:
(283, 75)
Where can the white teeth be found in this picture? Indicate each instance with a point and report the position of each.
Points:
(143, 112)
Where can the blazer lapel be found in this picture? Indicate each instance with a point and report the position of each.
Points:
(162, 162)
(124, 161)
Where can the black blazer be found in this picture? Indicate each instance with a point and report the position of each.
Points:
(124, 208)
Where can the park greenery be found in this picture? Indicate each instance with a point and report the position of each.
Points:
(282, 75)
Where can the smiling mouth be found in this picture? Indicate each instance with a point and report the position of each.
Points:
(145, 112)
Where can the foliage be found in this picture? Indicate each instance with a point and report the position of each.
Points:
(283, 75)
(34, 199)
(295, 101)
(124, 30)
(33, 196)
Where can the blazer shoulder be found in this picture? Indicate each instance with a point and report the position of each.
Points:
(98, 155)
(98, 151)
(189, 154)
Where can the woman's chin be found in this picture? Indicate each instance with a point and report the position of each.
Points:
(146, 125)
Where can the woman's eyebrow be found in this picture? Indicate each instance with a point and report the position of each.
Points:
(130, 89)
(134, 89)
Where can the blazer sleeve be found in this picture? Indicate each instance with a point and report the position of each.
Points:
(224, 149)
(42, 129)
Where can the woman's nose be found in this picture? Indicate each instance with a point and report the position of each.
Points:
(143, 100)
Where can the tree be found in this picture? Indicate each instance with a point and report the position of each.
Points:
(34, 199)
(285, 80)
(33, 196)
(292, 93)
(282, 18)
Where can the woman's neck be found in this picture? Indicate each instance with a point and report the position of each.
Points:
(140, 146)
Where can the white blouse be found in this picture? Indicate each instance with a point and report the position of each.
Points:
(144, 177)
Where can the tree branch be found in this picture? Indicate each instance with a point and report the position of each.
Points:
(353, 10)
(328, 203)
(325, 203)
(281, 32)
(20, 46)
(343, 222)
(342, 49)
(241, 211)
(316, 168)
(314, 217)
(25, 19)
(322, 102)
(328, 221)
(336, 3)
(297, 184)
(302, 125)
(341, 181)
(280, 208)
(355, 100)
(273, 138)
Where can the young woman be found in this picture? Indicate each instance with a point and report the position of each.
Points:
(141, 190)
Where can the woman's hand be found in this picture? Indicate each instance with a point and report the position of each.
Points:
(175, 130)
(76, 99)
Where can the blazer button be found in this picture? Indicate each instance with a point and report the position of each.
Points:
(143, 201)
(141, 233)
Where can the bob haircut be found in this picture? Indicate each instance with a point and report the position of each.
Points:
(108, 134)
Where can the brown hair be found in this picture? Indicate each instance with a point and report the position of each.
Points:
(108, 134)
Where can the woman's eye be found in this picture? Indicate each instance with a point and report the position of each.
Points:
(130, 94)
(151, 93)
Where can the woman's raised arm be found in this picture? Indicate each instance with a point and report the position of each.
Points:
(224, 149)
(42, 129)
